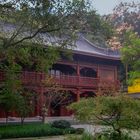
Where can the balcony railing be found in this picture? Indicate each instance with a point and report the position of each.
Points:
(67, 80)
(38, 78)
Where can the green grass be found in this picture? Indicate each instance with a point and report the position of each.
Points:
(32, 130)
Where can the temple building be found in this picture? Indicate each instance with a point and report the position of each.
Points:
(92, 69)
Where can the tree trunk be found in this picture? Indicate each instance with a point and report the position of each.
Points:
(119, 132)
(6, 115)
(22, 120)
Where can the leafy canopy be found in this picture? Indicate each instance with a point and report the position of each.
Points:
(131, 54)
(115, 111)
(27, 31)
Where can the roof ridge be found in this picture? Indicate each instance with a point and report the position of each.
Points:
(94, 45)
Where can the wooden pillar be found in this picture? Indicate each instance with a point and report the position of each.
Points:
(116, 78)
(78, 69)
(78, 95)
(98, 71)
(78, 74)
(49, 112)
(98, 76)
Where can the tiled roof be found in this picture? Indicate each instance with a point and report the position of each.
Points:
(82, 44)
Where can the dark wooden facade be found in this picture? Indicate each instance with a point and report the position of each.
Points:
(83, 76)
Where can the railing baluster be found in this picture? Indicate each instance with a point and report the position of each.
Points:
(36, 78)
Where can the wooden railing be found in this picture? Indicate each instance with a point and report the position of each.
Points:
(104, 83)
(33, 78)
(67, 80)
(38, 78)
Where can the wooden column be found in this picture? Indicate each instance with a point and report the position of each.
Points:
(78, 95)
(78, 69)
(116, 78)
(78, 74)
(98, 71)
(98, 76)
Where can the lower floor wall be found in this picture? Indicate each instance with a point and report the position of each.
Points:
(53, 109)
(61, 111)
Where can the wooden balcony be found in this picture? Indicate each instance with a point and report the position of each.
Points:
(67, 80)
(38, 78)
(35, 78)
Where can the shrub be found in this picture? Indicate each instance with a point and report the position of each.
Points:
(32, 130)
(117, 111)
(70, 130)
(84, 136)
(112, 136)
(61, 124)
(80, 130)
(99, 136)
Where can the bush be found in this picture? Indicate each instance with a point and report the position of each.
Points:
(112, 136)
(69, 131)
(61, 124)
(99, 136)
(32, 130)
(84, 136)
(80, 130)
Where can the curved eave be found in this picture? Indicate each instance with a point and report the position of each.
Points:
(97, 55)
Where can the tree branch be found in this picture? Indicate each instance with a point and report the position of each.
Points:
(34, 35)
(14, 35)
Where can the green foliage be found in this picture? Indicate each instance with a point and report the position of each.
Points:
(8, 100)
(98, 30)
(61, 124)
(111, 136)
(130, 54)
(26, 32)
(14, 101)
(30, 24)
(80, 130)
(84, 136)
(32, 130)
(23, 105)
(110, 110)
(99, 136)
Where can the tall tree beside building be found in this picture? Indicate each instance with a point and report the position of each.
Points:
(127, 36)
(26, 28)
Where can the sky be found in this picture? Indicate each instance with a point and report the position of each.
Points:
(106, 6)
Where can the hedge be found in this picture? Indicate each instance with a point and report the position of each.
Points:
(32, 130)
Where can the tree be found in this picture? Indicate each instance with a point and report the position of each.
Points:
(32, 35)
(96, 29)
(121, 21)
(124, 12)
(131, 55)
(8, 102)
(116, 111)
(25, 104)
(55, 95)
(126, 37)
(27, 25)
